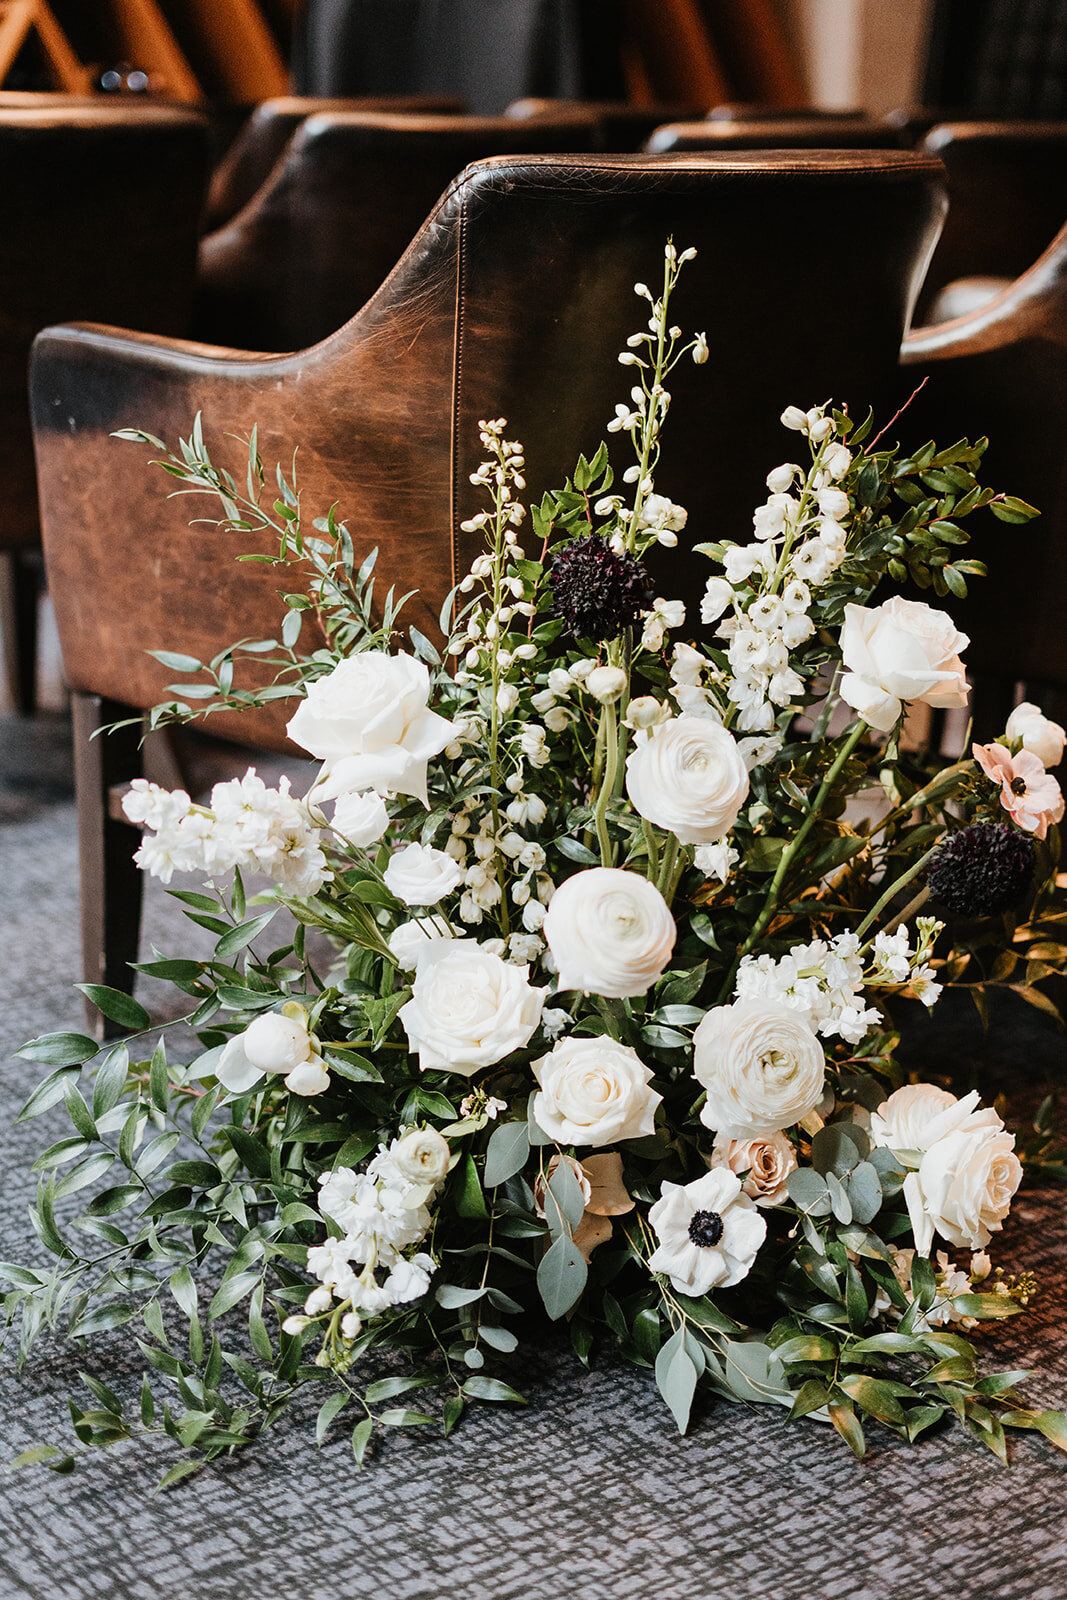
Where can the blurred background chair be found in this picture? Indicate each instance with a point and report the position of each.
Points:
(621, 126)
(1002, 371)
(101, 205)
(805, 133)
(262, 139)
(337, 213)
(1007, 186)
(513, 300)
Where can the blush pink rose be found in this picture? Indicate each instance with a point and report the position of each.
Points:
(1030, 795)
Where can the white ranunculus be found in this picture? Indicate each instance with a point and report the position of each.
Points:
(1043, 738)
(964, 1187)
(610, 932)
(369, 723)
(360, 818)
(419, 875)
(688, 777)
(762, 1164)
(406, 941)
(272, 1044)
(709, 1233)
(468, 1009)
(918, 1115)
(762, 1066)
(897, 653)
(422, 1156)
(595, 1092)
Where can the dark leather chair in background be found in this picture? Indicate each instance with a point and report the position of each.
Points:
(320, 237)
(1002, 372)
(262, 140)
(513, 300)
(621, 126)
(1007, 185)
(100, 206)
(776, 133)
(756, 111)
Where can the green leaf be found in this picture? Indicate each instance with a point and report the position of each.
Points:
(48, 1092)
(567, 1197)
(389, 1388)
(838, 1148)
(450, 1296)
(183, 1289)
(986, 1306)
(864, 1191)
(79, 1112)
(183, 1469)
(561, 1276)
(231, 1292)
(451, 1411)
(810, 1396)
(396, 1417)
(676, 1378)
(806, 1347)
(116, 1006)
(327, 1411)
(470, 1202)
(848, 1426)
(109, 1080)
(158, 1077)
(506, 1153)
(244, 933)
(480, 1387)
(59, 1050)
(874, 1396)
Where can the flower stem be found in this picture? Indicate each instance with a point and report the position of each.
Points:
(607, 783)
(904, 879)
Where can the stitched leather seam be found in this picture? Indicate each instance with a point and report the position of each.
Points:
(457, 381)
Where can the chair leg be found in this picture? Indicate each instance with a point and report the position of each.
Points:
(19, 597)
(110, 882)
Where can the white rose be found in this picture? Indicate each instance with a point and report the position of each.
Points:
(360, 818)
(610, 931)
(406, 941)
(1043, 738)
(709, 1233)
(422, 1156)
(419, 875)
(899, 652)
(594, 1091)
(767, 1163)
(964, 1188)
(762, 1066)
(369, 723)
(688, 777)
(468, 1009)
(918, 1115)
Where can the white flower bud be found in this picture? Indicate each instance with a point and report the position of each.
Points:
(606, 684)
(318, 1300)
(351, 1323)
(645, 712)
(780, 479)
(507, 698)
(580, 669)
(820, 429)
(700, 349)
(294, 1324)
(556, 719)
(792, 417)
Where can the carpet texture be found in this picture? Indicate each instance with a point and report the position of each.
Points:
(587, 1493)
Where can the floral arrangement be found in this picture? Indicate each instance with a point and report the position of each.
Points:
(585, 1010)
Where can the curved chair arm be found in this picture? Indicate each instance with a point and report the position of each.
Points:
(1033, 306)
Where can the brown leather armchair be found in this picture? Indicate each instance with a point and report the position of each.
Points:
(262, 140)
(513, 300)
(1007, 186)
(338, 211)
(775, 133)
(1002, 371)
(100, 206)
(621, 125)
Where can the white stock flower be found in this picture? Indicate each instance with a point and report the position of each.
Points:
(833, 503)
(610, 932)
(468, 1009)
(709, 1233)
(897, 653)
(406, 941)
(762, 1164)
(762, 1066)
(915, 1117)
(419, 875)
(360, 818)
(718, 594)
(780, 479)
(1043, 738)
(369, 723)
(716, 860)
(151, 806)
(422, 1156)
(964, 1187)
(688, 777)
(595, 1092)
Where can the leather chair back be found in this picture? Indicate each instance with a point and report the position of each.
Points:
(621, 125)
(1007, 185)
(263, 138)
(775, 133)
(755, 111)
(100, 206)
(338, 212)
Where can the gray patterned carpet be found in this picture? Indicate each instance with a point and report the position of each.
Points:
(587, 1494)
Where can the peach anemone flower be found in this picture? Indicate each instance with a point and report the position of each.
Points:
(1030, 795)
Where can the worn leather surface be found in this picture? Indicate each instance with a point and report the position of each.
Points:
(513, 300)
(1002, 372)
(776, 133)
(1007, 184)
(265, 134)
(99, 206)
(337, 213)
(758, 111)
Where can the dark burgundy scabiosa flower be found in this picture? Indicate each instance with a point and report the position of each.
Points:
(982, 870)
(596, 591)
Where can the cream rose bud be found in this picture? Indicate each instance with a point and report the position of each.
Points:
(594, 1092)
(360, 818)
(688, 777)
(468, 1009)
(422, 1156)
(915, 1117)
(899, 652)
(763, 1165)
(762, 1066)
(610, 932)
(966, 1182)
(606, 684)
(419, 875)
(1042, 737)
(709, 1233)
(407, 940)
(368, 721)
